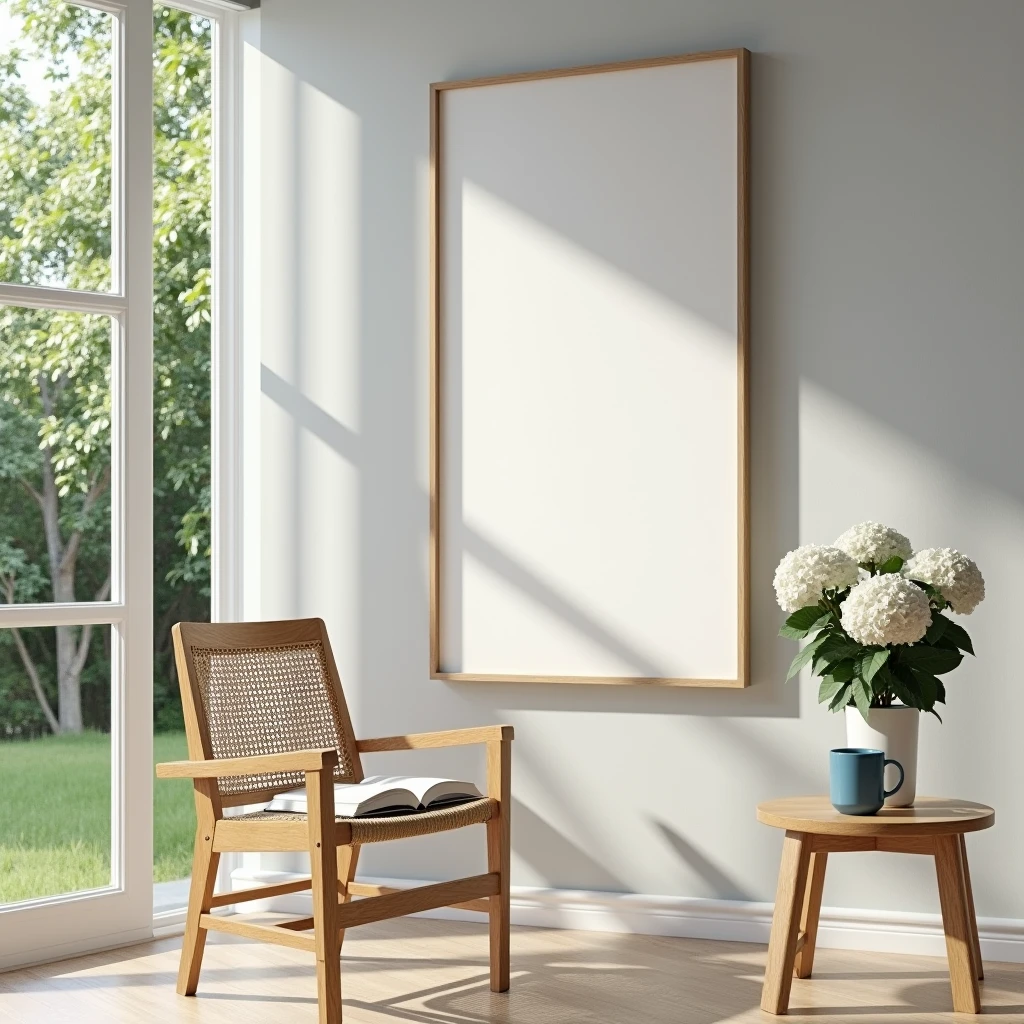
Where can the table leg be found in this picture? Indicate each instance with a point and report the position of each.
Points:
(953, 898)
(972, 917)
(811, 911)
(789, 900)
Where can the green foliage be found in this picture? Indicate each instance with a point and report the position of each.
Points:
(869, 676)
(952, 634)
(806, 654)
(183, 84)
(871, 662)
(803, 622)
(55, 229)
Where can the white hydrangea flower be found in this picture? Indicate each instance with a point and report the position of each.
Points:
(873, 542)
(804, 573)
(957, 578)
(886, 609)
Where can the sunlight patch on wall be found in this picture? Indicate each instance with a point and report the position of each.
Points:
(310, 316)
(329, 286)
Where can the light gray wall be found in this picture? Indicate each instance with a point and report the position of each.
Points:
(888, 298)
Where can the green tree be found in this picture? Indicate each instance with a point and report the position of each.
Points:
(55, 216)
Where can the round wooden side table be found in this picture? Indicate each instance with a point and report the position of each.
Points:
(933, 826)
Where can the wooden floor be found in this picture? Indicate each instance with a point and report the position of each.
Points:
(435, 972)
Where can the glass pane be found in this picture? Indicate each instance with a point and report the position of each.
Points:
(54, 456)
(182, 193)
(54, 761)
(56, 73)
(174, 827)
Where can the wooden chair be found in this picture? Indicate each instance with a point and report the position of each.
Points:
(264, 712)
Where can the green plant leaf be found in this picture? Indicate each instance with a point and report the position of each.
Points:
(835, 649)
(954, 632)
(932, 660)
(893, 564)
(904, 692)
(841, 698)
(902, 672)
(828, 688)
(843, 672)
(931, 690)
(928, 687)
(933, 592)
(804, 621)
(934, 632)
(805, 655)
(871, 661)
(861, 696)
(880, 684)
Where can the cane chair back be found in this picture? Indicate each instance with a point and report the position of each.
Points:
(256, 688)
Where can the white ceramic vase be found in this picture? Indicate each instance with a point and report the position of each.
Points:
(893, 730)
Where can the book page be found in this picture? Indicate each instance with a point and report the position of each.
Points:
(379, 790)
(417, 785)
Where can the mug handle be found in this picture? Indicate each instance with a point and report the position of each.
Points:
(895, 789)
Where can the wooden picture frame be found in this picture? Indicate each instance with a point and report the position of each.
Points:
(441, 663)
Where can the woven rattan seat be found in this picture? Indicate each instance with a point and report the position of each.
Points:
(397, 826)
(265, 713)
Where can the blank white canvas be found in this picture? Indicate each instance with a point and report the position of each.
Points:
(588, 374)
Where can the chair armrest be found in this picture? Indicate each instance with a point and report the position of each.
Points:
(261, 764)
(449, 738)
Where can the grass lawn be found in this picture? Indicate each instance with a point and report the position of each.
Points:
(55, 815)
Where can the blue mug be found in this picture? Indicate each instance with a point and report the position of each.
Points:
(857, 780)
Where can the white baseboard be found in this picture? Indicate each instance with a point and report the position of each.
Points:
(68, 950)
(1002, 939)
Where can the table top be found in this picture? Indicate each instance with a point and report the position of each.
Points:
(930, 816)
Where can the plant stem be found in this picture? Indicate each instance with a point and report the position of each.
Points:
(832, 607)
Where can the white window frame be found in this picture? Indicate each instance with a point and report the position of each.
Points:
(227, 455)
(122, 911)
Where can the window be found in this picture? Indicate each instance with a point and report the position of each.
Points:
(75, 471)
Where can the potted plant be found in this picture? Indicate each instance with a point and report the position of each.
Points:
(874, 614)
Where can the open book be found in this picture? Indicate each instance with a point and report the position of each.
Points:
(383, 794)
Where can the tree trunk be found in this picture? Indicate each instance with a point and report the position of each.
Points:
(69, 670)
(30, 665)
(72, 641)
(69, 689)
(37, 683)
(62, 580)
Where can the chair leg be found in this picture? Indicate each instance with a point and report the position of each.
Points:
(348, 859)
(499, 860)
(811, 912)
(204, 876)
(323, 857)
(789, 898)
